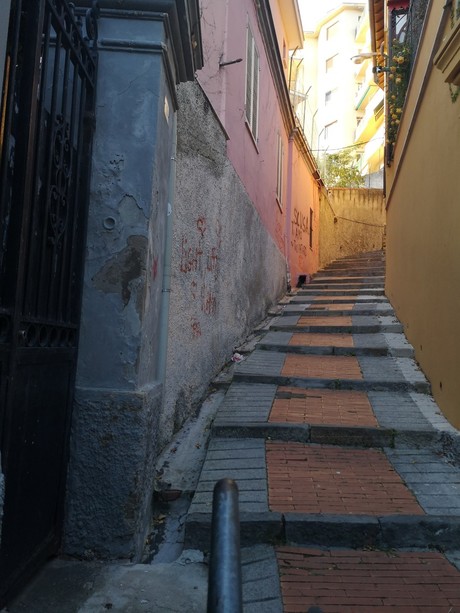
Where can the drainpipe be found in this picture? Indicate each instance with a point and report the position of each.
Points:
(287, 229)
(166, 280)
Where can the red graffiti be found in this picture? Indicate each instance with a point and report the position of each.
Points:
(201, 225)
(190, 258)
(212, 260)
(196, 328)
(193, 291)
(209, 302)
(155, 268)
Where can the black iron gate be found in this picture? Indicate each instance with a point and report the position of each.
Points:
(45, 136)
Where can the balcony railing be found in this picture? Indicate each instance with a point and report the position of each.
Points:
(405, 27)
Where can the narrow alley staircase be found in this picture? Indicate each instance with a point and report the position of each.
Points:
(349, 490)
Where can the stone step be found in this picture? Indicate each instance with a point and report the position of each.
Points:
(313, 309)
(281, 409)
(392, 344)
(307, 291)
(345, 280)
(332, 372)
(354, 324)
(360, 299)
(325, 495)
(357, 273)
(341, 286)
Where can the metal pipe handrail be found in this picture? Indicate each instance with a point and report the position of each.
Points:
(224, 585)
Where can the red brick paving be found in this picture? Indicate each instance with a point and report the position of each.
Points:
(318, 339)
(312, 406)
(321, 367)
(348, 581)
(331, 307)
(314, 320)
(348, 297)
(336, 480)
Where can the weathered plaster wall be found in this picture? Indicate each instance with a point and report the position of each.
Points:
(423, 246)
(351, 221)
(226, 268)
(118, 400)
(302, 218)
(256, 159)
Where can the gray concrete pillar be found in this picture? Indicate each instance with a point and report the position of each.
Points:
(118, 400)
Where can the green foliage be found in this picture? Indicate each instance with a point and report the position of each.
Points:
(341, 170)
(398, 79)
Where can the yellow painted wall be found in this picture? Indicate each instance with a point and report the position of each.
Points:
(423, 225)
(351, 221)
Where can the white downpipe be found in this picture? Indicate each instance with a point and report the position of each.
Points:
(166, 280)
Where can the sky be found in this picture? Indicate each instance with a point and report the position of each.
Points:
(312, 10)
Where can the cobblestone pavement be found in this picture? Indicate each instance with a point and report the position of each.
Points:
(348, 474)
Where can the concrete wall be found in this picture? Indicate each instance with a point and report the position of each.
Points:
(118, 399)
(423, 247)
(351, 221)
(226, 268)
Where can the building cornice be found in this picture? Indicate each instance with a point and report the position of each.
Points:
(184, 19)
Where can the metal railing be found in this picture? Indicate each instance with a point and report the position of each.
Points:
(225, 593)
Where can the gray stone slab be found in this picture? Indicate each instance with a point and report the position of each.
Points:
(262, 362)
(432, 413)
(398, 411)
(261, 587)
(246, 403)
(398, 344)
(433, 480)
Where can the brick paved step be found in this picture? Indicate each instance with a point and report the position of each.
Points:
(321, 495)
(357, 273)
(313, 309)
(340, 280)
(348, 417)
(362, 581)
(312, 291)
(391, 344)
(354, 324)
(332, 372)
(359, 299)
(320, 286)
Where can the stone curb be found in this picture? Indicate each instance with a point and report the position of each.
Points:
(255, 529)
(309, 312)
(319, 530)
(353, 351)
(351, 329)
(348, 436)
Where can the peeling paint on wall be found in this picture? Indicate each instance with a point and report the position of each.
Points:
(120, 271)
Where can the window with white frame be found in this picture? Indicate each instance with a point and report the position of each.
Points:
(279, 171)
(252, 84)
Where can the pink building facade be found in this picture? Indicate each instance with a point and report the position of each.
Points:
(246, 48)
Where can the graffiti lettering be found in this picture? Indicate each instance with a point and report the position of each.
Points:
(196, 328)
(190, 258)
